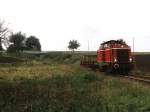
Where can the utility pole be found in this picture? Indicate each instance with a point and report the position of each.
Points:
(133, 48)
(134, 60)
(88, 46)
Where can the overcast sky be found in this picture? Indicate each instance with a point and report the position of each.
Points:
(55, 22)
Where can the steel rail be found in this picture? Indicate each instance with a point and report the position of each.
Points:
(137, 78)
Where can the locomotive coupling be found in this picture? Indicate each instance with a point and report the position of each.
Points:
(116, 66)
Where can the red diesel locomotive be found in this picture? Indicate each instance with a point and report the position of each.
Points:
(112, 56)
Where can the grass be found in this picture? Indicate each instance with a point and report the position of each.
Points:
(68, 88)
(56, 83)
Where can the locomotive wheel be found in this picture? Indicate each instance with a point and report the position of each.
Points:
(103, 68)
(109, 69)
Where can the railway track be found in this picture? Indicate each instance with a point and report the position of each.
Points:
(145, 79)
(139, 78)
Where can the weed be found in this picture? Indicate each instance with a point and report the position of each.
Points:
(53, 86)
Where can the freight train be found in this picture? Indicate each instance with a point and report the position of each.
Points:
(112, 56)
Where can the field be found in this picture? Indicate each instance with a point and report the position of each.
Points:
(56, 83)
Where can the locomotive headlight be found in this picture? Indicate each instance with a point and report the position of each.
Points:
(115, 59)
(130, 59)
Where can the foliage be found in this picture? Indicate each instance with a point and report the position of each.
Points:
(60, 57)
(68, 88)
(121, 41)
(17, 42)
(33, 43)
(10, 59)
(11, 49)
(55, 87)
(73, 44)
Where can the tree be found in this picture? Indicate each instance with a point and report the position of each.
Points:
(11, 49)
(121, 41)
(17, 41)
(73, 44)
(4, 32)
(33, 43)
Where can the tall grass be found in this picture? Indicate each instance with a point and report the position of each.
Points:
(68, 88)
(61, 58)
(56, 83)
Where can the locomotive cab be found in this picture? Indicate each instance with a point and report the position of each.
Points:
(114, 56)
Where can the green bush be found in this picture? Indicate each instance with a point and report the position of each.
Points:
(60, 57)
(8, 59)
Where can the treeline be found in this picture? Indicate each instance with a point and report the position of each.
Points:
(20, 42)
(16, 42)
